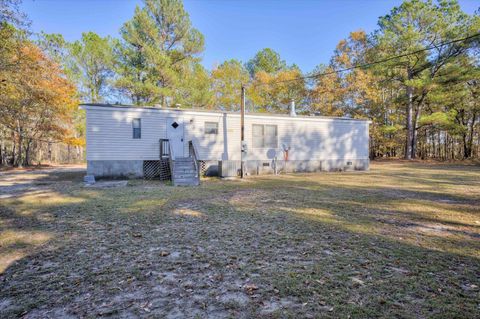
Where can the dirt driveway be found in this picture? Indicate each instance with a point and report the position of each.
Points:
(402, 240)
(19, 181)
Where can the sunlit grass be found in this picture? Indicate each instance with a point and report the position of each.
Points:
(14, 245)
(188, 212)
(33, 201)
(144, 205)
(401, 240)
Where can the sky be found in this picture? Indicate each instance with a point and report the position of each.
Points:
(304, 32)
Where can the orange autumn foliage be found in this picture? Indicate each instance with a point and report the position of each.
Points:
(37, 101)
(273, 92)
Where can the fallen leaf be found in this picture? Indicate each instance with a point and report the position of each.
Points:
(250, 288)
(358, 281)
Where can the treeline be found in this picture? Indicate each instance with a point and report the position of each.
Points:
(422, 99)
(37, 101)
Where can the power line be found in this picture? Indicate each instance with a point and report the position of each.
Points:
(366, 65)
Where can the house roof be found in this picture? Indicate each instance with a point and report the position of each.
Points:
(193, 110)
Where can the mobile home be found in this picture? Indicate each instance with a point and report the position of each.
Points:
(126, 140)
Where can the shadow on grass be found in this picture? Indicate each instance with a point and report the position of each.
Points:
(316, 245)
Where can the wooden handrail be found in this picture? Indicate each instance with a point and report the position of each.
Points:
(193, 153)
(171, 154)
(171, 162)
(167, 152)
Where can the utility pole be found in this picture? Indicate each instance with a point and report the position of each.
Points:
(242, 131)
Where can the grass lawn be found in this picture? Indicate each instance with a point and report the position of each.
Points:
(399, 241)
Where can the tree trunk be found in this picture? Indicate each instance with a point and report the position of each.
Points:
(453, 148)
(27, 153)
(14, 151)
(415, 131)
(468, 142)
(2, 155)
(433, 141)
(40, 153)
(372, 145)
(466, 151)
(409, 126)
(20, 149)
(445, 145)
(49, 152)
(439, 145)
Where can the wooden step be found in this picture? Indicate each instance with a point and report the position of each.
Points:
(183, 163)
(192, 174)
(185, 179)
(180, 176)
(186, 182)
(183, 166)
(184, 172)
(184, 169)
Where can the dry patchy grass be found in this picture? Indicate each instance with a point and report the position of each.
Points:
(402, 240)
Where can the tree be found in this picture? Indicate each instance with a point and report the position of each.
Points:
(155, 45)
(10, 13)
(411, 27)
(353, 93)
(92, 61)
(13, 25)
(452, 105)
(194, 87)
(328, 93)
(274, 92)
(359, 92)
(9, 47)
(228, 78)
(273, 83)
(37, 101)
(266, 60)
(59, 50)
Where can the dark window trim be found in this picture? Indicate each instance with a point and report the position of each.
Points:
(137, 131)
(215, 130)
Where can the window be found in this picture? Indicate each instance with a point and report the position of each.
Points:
(257, 135)
(137, 128)
(264, 136)
(211, 128)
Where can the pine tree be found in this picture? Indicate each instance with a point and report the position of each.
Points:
(411, 27)
(156, 44)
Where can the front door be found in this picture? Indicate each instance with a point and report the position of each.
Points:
(175, 134)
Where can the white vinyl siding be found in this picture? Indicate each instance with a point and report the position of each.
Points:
(109, 135)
